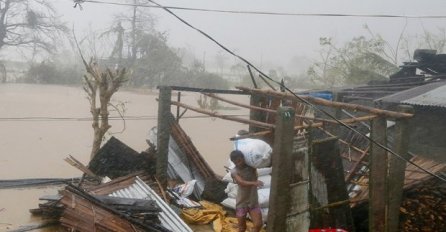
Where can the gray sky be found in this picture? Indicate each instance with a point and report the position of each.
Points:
(271, 39)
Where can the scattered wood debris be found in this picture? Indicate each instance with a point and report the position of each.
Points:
(424, 208)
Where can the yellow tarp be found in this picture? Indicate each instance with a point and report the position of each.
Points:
(212, 213)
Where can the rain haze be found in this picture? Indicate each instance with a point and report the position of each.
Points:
(45, 114)
(272, 40)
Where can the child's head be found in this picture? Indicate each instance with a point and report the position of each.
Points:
(237, 158)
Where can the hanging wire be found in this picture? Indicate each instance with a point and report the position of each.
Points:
(298, 97)
(79, 2)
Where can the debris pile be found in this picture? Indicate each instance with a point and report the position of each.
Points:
(424, 208)
(129, 202)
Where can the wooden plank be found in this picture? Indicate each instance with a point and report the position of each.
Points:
(281, 173)
(378, 177)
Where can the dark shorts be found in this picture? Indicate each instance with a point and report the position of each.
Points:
(242, 212)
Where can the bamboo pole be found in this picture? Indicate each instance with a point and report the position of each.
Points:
(231, 118)
(350, 120)
(313, 125)
(323, 102)
(345, 142)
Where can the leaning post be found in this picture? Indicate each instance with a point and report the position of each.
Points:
(256, 115)
(378, 176)
(279, 198)
(163, 135)
(397, 168)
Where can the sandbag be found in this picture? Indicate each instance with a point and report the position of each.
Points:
(266, 181)
(257, 152)
(264, 171)
(263, 197)
(229, 203)
(265, 178)
(228, 178)
(231, 190)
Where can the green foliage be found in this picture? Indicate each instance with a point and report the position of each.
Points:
(152, 62)
(157, 64)
(52, 73)
(357, 62)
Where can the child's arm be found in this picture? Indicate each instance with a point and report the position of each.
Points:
(240, 181)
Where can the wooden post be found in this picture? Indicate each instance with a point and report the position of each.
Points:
(279, 199)
(256, 100)
(378, 177)
(397, 168)
(328, 187)
(178, 107)
(164, 117)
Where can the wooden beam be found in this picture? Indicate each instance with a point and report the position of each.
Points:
(344, 142)
(253, 107)
(282, 170)
(230, 118)
(323, 102)
(397, 168)
(262, 134)
(313, 125)
(205, 90)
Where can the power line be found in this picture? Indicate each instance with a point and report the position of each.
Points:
(300, 98)
(268, 12)
(113, 118)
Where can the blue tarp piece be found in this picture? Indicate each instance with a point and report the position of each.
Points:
(321, 94)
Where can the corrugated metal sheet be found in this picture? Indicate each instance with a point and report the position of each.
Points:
(435, 97)
(140, 190)
(177, 168)
(433, 94)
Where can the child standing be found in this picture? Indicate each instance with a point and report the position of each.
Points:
(247, 198)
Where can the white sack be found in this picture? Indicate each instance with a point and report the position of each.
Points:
(229, 202)
(228, 178)
(257, 152)
(266, 181)
(231, 190)
(263, 197)
(264, 171)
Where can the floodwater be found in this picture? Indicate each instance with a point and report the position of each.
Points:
(40, 125)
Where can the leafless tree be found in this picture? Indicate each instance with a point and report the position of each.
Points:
(100, 85)
(29, 23)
